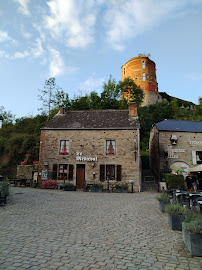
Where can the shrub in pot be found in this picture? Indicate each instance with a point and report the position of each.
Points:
(163, 201)
(121, 188)
(176, 215)
(69, 187)
(96, 188)
(192, 234)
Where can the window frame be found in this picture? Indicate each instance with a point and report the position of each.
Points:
(64, 148)
(109, 151)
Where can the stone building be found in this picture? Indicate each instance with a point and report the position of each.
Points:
(143, 71)
(175, 144)
(87, 147)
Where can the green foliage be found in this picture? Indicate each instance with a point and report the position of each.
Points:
(68, 184)
(193, 223)
(176, 209)
(7, 191)
(134, 92)
(163, 197)
(98, 185)
(174, 181)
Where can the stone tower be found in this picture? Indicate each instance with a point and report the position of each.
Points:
(143, 71)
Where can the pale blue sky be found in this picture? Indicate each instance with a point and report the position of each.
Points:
(82, 42)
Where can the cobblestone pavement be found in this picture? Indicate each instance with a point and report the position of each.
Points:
(54, 229)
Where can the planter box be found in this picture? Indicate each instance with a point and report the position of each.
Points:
(175, 222)
(51, 187)
(121, 190)
(70, 188)
(193, 242)
(96, 189)
(162, 206)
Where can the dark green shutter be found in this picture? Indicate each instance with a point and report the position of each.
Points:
(102, 173)
(118, 172)
(55, 172)
(71, 171)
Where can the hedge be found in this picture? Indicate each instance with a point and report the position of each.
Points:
(174, 181)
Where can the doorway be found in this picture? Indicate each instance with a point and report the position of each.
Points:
(80, 175)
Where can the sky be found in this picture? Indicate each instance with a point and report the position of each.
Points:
(81, 42)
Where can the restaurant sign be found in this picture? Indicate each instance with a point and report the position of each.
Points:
(80, 157)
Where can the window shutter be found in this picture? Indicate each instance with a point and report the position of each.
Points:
(71, 171)
(194, 157)
(102, 173)
(55, 172)
(118, 172)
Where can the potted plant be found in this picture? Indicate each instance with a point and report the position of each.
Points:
(163, 201)
(96, 188)
(176, 215)
(192, 234)
(49, 184)
(69, 187)
(121, 188)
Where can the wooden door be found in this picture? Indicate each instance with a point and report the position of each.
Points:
(80, 177)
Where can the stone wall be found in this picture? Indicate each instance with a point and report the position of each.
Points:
(181, 154)
(92, 143)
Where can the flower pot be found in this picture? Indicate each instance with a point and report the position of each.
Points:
(51, 187)
(71, 188)
(121, 190)
(162, 206)
(96, 189)
(175, 221)
(192, 241)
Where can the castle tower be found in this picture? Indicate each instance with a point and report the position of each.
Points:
(143, 71)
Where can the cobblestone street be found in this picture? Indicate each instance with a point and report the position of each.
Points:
(52, 229)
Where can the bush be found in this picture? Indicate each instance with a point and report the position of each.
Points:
(68, 184)
(7, 188)
(98, 185)
(176, 209)
(193, 223)
(163, 197)
(174, 181)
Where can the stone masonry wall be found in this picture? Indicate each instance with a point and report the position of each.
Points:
(91, 143)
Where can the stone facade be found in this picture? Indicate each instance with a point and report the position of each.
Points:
(143, 71)
(174, 149)
(87, 152)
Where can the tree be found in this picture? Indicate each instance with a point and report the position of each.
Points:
(7, 116)
(61, 99)
(48, 95)
(130, 91)
(110, 95)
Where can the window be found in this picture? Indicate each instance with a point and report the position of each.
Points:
(124, 71)
(110, 147)
(110, 172)
(143, 64)
(143, 76)
(64, 147)
(199, 157)
(62, 172)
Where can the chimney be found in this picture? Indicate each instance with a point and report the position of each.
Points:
(62, 111)
(133, 109)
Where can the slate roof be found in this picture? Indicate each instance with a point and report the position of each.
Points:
(179, 125)
(95, 119)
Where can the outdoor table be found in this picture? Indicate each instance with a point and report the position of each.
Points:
(194, 197)
(180, 195)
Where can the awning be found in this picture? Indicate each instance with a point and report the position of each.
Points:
(196, 169)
